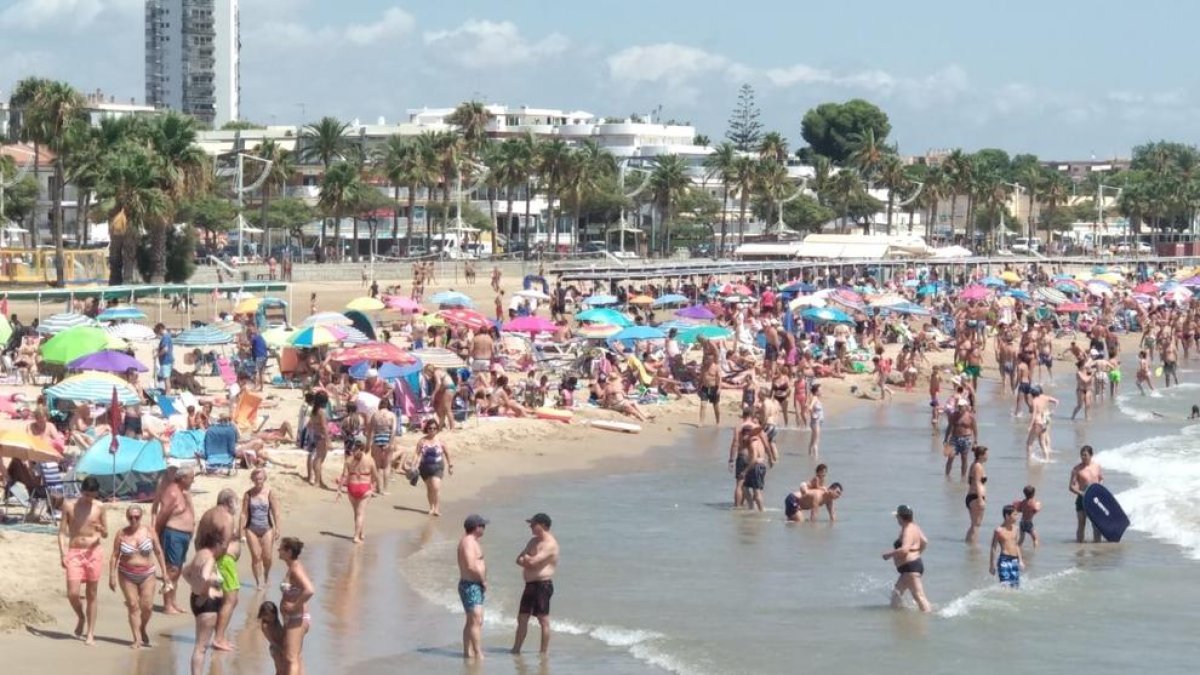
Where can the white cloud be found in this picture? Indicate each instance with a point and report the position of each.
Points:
(34, 14)
(667, 63)
(394, 23)
(480, 44)
(290, 35)
(942, 85)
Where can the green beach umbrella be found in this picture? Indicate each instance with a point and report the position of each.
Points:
(688, 335)
(5, 329)
(74, 343)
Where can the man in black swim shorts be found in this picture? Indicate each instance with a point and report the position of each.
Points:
(538, 562)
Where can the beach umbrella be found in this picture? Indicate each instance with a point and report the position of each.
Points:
(669, 299)
(327, 319)
(247, 306)
(57, 323)
(278, 337)
(929, 289)
(107, 362)
(641, 300)
(6, 329)
(74, 343)
(597, 331)
(465, 317)
(994, 282)
(699, 312)
(94, 388)
(1150, 287)
(737, 299)
(886, 300)
(1018, 294)
(231, 327)
(440, 358)
(738, 289)
(909, 308)
(1010, 276)
(1190, 282)
(1071, 307)
(203, 336)
(532, 293)
(1111, 277)
(317, 336)
(400, 303)
(451, 299)
(382, 352)
(365, 304)
(1068, 288)
(689, 334)
(529, 324)
(974, 293)
(596, 300)
(826, 315)
(806, 301)
(604, 315)
(121, 314)
(131, 332)
(797, 287)
(430, 319)
(360, 321)
(387, 372)
(1051, 295)
(633, 333)
(1178, 294)
(22, 445)
(1099, 288)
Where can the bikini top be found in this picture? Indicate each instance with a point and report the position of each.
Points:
(896, 544)
(145, 547)
(431, 453)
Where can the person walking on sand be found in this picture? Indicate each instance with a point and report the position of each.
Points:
(296, 590)
(433, 464)
(204, 579)
(135, 550)
(1084, 474)
(80, 530)
(496, 279)
(1009, 563)
(360, 478)
(174, 524)
(976, 500)
(222, 519)
(472, 585)
(906, 555)
(538, 562)
(260, 525)
(1029, 507)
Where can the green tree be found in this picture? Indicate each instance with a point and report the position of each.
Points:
(588, 164)
(180, 256)
(54, 108)
(240, 125)
(512, 165)
(773, 147)
(959, 172)
(209, 213)
(26, 130)
(552, 164)
(339, 192)
(184, 171)
(471, 119)
(669, 180)
(131, 185)
(771, 185)
(279, 172)
(834, 130)
(1030, 176)
(745, 174)
(20, 199)
(893, 178)
(745, 130)
(449, 150)
(324, 142)
(289, 214)
(868, 155)
(720, 164)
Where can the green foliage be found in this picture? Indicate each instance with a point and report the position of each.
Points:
(180, 256)
(835, 130)
(745, 130)
(288, 213)
(20, 199)
(802, 214)
(240, 125)
(208, 212)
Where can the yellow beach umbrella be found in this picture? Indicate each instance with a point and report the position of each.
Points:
(1010, 276)
(247, 306)
(116, 343)
(365, 304)
(1110, 277)
(641, 300)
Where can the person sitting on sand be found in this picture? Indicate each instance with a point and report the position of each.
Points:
(614, 398)
(502, 402)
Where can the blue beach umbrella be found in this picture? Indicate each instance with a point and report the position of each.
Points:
(688, 335)
(928, 289)
(1018, 294)
(204, 336)
(597, 300)
(640, 333)
(388, 372)
(451, 299)
(995, 282)
(604, 315)
(121, 314)
(669, 299)
(826, 315)
(907, 308)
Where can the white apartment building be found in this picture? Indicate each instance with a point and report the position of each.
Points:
(192, 58)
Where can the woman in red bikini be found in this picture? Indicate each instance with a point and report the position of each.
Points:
(360, 477)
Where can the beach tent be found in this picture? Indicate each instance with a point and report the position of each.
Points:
(185, 445)
(129, 474)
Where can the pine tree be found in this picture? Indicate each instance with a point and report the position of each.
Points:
(745, 131)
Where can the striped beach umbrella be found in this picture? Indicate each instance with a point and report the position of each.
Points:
(94, 388)
(74, 343)
(204, 336)
(451, 299)
(439, 358)
(597, 331)
(131, 332)
(326, 319)
(317, 336)
(121, 314)
(57, 323)
(365, 304)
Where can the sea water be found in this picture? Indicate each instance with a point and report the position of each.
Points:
(659, 574)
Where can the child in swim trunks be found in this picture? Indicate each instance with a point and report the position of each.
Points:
(1028, 508)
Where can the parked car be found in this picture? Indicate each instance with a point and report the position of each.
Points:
(1141, 248)
(1026, 245)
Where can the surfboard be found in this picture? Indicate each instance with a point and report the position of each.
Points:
(553, 414)
(1105, 512)
(611, 425)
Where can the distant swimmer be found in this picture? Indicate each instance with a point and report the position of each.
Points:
(1009, 563)
(1084, 474)
(906, 555)
(811, 499)
(1029, 508)
(1195, 413)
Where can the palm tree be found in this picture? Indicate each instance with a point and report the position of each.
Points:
(185, 172)
(552, 162)
(1032, 176)
(958, 169)
(511, 165)
(21, 102)
(532, 151)
(55, 106)
(847, 188)
(744, 172)
(892, 177)
(279, 172)
(770, 182)
(932, 193)
(1054, 194)
(130, 182)
(868, 155)
(448, 148)
(324, 142)
(773, 147)
(720, 164)
(588, 164)
(409, 162)
(339, 190)
(669, 180)
(472, 120)
(82, 166)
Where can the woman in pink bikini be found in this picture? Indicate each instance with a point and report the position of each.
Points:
(360, 477)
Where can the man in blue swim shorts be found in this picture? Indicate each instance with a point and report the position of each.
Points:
(1007, 565)
(472, 584)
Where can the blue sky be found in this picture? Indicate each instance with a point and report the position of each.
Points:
(1061, 79)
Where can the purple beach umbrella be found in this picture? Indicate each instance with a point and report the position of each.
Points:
(107, 361)
(699, 312)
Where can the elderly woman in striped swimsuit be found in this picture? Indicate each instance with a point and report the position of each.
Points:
(135, 550)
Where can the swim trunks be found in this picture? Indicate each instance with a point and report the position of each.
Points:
(962, 444)
(973, 371)
(1114, 376)
(471, 594)
(480, 365)
(771, 352)
(1008, 568)
(1045, 360)
(205, 605)
(756, 477)
(83, 564)
(1027, 526)
(175, 546)
(915, 567)
(1079, 503)
(739, 467)
(710, 395)
(1023, 387)
(536, 598)
(771, 431)
(227, 568)
(791, 505)
(1006, 368)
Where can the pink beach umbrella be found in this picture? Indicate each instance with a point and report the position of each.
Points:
(974, 293)
(400, 303)
(529, 324)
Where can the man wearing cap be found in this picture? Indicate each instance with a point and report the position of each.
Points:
(80, 530)
(472, 584)
(259, 352)
(1004, 539)
(538, 561)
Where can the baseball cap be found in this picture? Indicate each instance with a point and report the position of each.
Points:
(540, 519)
(473, 521)
(903, 510)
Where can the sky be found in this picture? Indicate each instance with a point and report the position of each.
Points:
(1061, 79)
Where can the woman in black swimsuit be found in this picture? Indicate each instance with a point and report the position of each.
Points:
(781, 387)
(976, 500)
(906, 555)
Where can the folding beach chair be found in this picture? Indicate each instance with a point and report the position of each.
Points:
(220, 447)
(226, 371)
